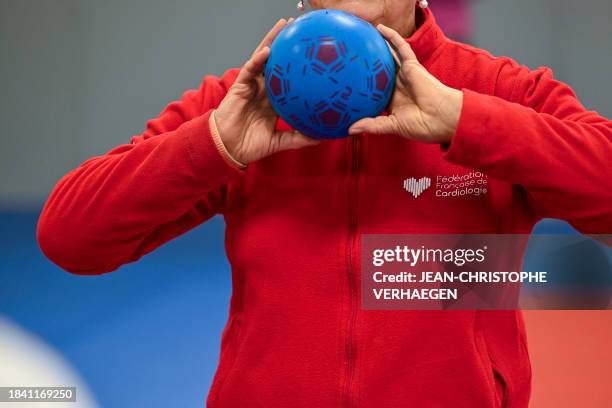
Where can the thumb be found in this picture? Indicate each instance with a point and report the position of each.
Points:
(378, 125)
(291, 140)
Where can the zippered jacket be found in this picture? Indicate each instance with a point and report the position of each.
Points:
(296, 334)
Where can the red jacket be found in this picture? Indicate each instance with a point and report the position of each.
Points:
(296, 336)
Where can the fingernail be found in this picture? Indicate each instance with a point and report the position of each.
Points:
(354, 131)
(290, 19)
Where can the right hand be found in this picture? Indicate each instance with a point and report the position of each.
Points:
(245, 119)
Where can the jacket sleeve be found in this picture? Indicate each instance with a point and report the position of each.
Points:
(536, 134)
(115, 208)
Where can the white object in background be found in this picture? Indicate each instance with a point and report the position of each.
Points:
(27, 361)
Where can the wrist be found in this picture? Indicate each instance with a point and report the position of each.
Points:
(453, 105)
(225, 147)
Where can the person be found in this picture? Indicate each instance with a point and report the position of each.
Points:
(295, 210)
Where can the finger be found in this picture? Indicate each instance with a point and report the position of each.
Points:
(394, 54)
(253, 67)
(293, 140)
(267, 40)
(401, 46)
(378, 125)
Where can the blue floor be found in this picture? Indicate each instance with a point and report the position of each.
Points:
(144, 336)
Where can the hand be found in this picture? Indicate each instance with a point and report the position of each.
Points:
(422, 108)
(245, 119)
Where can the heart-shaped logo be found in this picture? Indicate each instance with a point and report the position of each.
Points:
(417, 187)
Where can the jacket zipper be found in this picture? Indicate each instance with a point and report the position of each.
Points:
(351, 270)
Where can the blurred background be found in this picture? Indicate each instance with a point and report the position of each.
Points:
(78, 77)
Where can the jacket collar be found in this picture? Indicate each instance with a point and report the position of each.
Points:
(428, 36)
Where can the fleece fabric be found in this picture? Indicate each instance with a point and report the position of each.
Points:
(296, 334)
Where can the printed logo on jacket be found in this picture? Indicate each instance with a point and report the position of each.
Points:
(472, 184)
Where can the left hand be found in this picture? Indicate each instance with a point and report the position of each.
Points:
(422, 108)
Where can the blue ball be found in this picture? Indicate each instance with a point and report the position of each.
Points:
(327, 70)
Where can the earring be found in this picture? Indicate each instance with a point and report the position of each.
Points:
(301, 6)
(423, 4)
